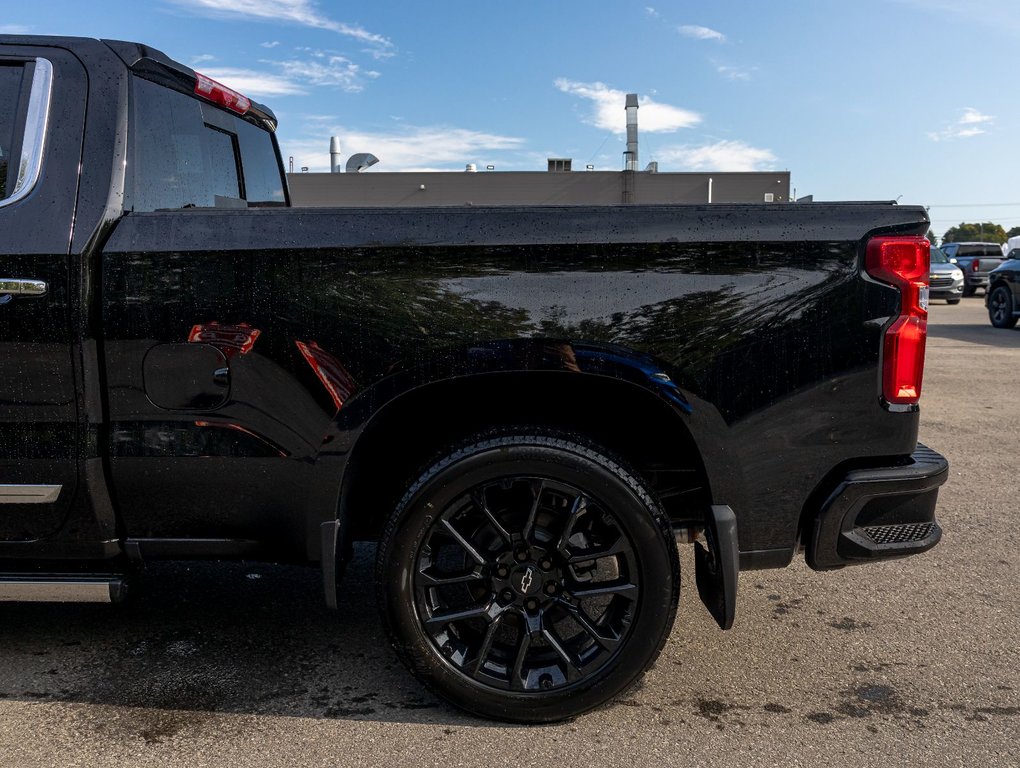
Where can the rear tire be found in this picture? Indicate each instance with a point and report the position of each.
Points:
(969, 290)
(952, 301)
(1000, 308)
(528, 577)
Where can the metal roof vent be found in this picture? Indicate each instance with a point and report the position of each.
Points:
(630, 157)
(558, 164)
(359, 162)
(334, 154)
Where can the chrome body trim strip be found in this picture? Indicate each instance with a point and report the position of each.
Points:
(36, 121)
(23, 287)
(29, 494)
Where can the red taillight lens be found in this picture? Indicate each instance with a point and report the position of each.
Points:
(904, 263)
(218, 93)
(974, 265)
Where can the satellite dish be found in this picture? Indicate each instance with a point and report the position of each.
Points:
(359, 162)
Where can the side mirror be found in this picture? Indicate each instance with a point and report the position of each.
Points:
(952, 261)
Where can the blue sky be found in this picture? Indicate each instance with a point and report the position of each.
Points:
(871, 99)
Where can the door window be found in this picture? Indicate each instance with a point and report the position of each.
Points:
(11, 84)
(184, 153)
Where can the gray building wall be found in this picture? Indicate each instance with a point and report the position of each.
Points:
(377, 189)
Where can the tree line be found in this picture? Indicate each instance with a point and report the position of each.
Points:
(983, 232)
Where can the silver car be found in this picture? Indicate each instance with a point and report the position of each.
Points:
(946, 279)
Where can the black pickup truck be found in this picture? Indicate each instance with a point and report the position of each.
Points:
(526, 407)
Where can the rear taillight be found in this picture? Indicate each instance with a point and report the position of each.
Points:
(903, 262)
(218, 93)
(974, 265)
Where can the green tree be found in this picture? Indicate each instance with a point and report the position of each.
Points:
(932, 237)
(985, 232)
(1013, 232)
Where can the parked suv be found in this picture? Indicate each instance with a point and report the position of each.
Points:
(945, 278)
(976, 260)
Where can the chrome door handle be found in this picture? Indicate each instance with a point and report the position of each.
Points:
(16, 286)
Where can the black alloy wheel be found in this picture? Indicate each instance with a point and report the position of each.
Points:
(1000, 308)
(528, 577)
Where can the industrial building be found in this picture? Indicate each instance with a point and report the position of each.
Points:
(559, 185)
(535, 188)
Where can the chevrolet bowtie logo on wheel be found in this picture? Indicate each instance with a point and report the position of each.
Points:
(526, 580)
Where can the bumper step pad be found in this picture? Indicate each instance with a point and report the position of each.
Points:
(880, 513)
(897, 534)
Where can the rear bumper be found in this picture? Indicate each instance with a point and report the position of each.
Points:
(876, 514)
(976, 279)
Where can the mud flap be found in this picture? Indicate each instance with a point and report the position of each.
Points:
(716, 568)
(330, 562)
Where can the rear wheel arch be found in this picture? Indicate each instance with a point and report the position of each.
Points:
(409, 432)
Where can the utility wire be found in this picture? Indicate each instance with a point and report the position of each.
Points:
(600, 148)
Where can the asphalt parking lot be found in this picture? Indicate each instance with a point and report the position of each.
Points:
(905, 662)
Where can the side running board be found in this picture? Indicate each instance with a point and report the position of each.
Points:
(62, 588)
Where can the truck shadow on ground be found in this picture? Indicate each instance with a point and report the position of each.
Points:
(219, 638)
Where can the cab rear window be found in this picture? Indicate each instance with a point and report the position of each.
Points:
(185, 153)
(980, 250)
(12, 92)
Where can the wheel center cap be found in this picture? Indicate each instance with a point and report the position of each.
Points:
(525, 580)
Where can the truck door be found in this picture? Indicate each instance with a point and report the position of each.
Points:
(42, 105)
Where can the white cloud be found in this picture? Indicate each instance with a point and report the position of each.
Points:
(294, 77)
(256, 84)
(651, 12)
(270, 44)
(325, 69)
(701, 33)
(970, 123)
(609, 114)
(721, 156)
(733, 73)
(303, 12)
(15, 29)
(408, 148)
(202, 58)
(972, 117)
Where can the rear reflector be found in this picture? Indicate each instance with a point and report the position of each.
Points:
(903, 262)
(218, 93)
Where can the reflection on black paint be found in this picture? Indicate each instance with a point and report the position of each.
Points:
(328, 370)
(190, 439)
(229, 339)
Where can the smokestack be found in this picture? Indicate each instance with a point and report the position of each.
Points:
(630, 157)
(334, 154)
